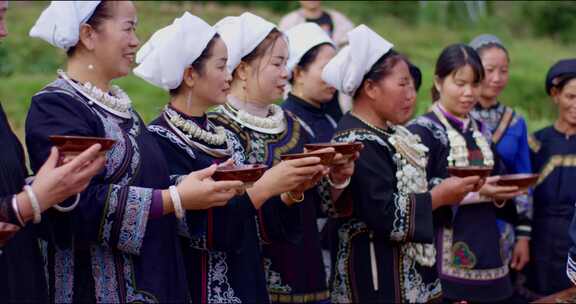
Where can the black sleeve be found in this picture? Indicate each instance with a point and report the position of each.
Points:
(392, 215)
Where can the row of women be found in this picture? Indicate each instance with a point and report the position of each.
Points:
(146, 223)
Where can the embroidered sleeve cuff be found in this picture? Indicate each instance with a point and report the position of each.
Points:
(126, 217)
(135, 220)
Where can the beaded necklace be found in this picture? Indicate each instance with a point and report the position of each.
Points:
(458, 149)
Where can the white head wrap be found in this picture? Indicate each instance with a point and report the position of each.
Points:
(166, 55)
(347, 69)
(302, 38)
(242, 34)
(59, 24)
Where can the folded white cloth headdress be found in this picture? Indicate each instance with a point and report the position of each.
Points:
(242, 34)
(59, 24)
(163, 59)
(301, 39)
(347, 69)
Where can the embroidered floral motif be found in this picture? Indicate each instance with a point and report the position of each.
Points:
(341, 291)
(110, 208)
(104, 273)
(451, 270)
(63, 275)
(462, 256)
(219, 290)
(239, 153)
(136, 210)
(274, 279)
(432, 126)
(163, 132)
(414, 289)
(400, 225)
(262, 147)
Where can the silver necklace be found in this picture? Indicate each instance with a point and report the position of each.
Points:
(273, 124)
(116, 102)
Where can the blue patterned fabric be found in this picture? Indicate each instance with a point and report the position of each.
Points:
(110, 227)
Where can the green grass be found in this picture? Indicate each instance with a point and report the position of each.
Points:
(31, 63)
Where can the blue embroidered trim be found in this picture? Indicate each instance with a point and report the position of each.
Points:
(136, 210)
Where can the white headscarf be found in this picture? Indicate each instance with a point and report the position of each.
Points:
(164, 58)
(59, 24)
(301, 39)
(347, 69)
(242, 34)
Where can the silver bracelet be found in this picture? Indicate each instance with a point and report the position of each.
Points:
(176, 202)
(16, 209)
(339, 186)
(34, 204)
(69, 208)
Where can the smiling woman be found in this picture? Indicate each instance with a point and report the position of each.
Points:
(554, 157)
(106, 248)
(470, 267)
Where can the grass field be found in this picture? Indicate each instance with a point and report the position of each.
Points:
(28, 63)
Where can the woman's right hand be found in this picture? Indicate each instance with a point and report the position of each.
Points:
(198, 191)
(492, 190)
(452, 190)
(284, 177)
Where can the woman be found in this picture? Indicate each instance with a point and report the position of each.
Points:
(554, 157)
(106, 247)
(470, 263)
(510, 136)
(222, 254)
(310, 50)
(21, 265)
(291, 256)
(385, 251)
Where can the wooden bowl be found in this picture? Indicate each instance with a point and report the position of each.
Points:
(342, 148)
(522, 180)
(481, 171)
(245, 173)
(77, 144)
(325, 157)
(7, 230)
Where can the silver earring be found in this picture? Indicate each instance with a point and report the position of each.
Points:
(90, 67)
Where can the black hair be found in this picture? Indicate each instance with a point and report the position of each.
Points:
(308, 58)
(453, 58)
(200, 63)
(103, 11)
(381, 68)
(491, 45)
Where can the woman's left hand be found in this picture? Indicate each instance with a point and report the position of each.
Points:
(520, 254)
(342, 168)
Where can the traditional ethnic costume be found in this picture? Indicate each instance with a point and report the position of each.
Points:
(290, 240)
(510, 136)
(554, 157)
(106, 247)
(221, 249)
(470, 260)
(384, 248)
